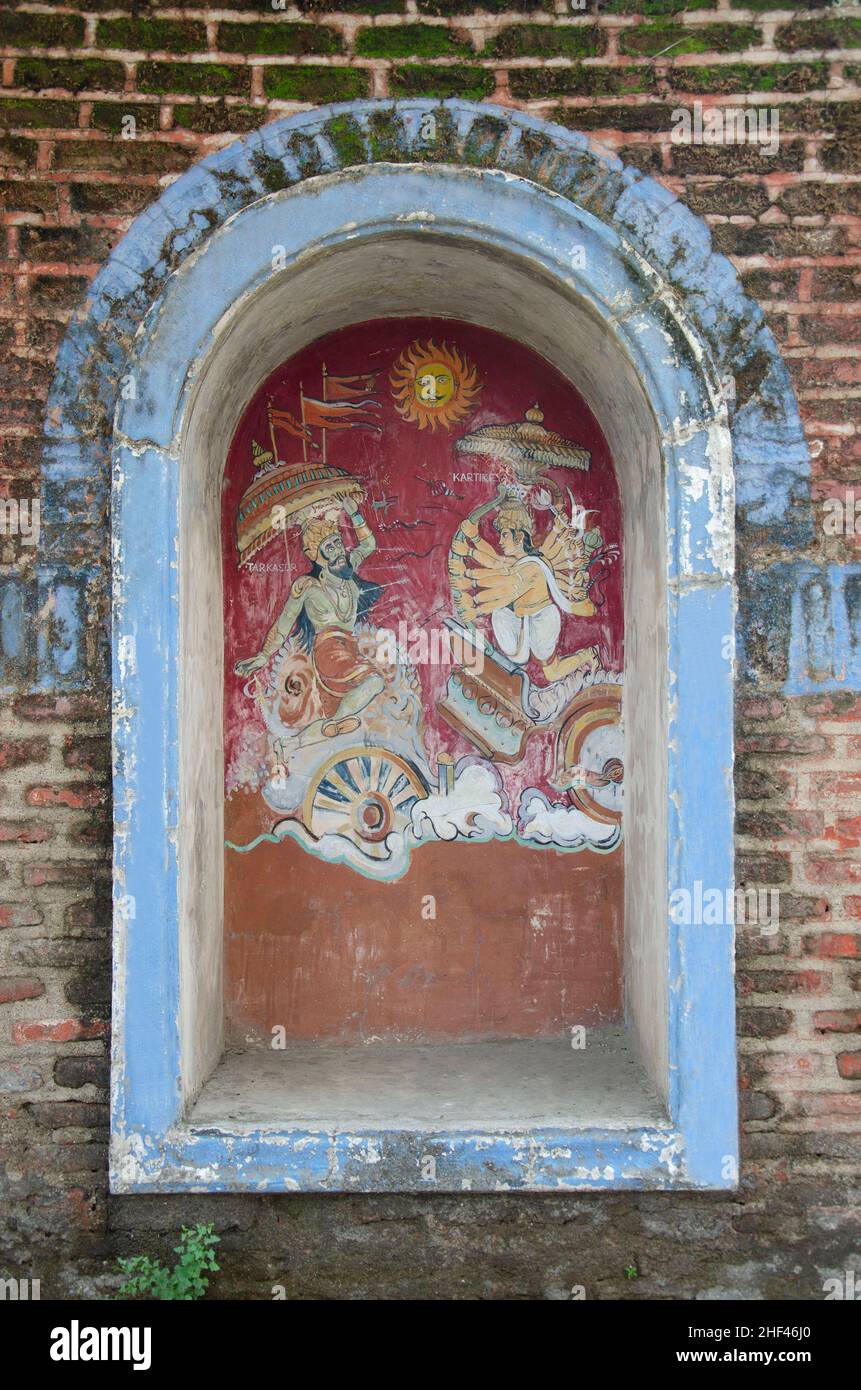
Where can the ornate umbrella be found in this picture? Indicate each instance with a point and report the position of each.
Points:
(526, 445)
(286, 494)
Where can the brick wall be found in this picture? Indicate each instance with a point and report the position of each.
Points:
(194, 77)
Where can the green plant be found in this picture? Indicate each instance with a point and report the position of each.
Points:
(189, 1278)
(631, 1271)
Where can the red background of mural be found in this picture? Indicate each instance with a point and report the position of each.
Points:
(291, 959)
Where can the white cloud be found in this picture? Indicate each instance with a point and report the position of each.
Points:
(476, 808)
(558, 823)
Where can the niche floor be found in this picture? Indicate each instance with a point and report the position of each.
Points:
(498, 1085)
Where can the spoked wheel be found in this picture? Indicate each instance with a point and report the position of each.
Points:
(365, 794)
(591, 750)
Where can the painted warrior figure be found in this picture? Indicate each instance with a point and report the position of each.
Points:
(323, 609)
(524, 589)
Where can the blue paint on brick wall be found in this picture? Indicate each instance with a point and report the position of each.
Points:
(60, 606)
(16, 606)
(825, 629)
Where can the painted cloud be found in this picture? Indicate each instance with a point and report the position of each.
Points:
(556, 823)
(475, 808)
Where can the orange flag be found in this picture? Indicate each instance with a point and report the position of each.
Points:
(348, 388)
(285, 421)
(341, 415)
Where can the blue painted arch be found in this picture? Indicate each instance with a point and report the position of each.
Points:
(676, 310)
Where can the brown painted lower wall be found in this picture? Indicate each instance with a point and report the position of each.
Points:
(524, 943)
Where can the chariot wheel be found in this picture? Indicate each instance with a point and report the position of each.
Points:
(590, 753)
(365, 794)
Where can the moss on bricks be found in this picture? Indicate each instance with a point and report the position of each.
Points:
(779, 4)
(315, 84)
(347, 139)
(90, 74)
(746, 77)
(533, 83)
(648, 40)
(46, 30)
(199, 79)
(316, 40)
(449, 7)
(152, 35)
(306, 152)
(213, 117)
(109, 116)
(821, 33)
(816, 117)
(656, 119)
(39, 114)
(361, 7)
(646, 158)
(473, 84)
(484, 140)
(547, 41)
(270, 171)
(411, 41)
(656, 7)
(387, 134)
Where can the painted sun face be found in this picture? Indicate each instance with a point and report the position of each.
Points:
(433, 384)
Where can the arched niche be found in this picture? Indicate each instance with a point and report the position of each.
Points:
(413, 853)
(516, 226)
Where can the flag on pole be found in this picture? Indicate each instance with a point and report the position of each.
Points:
(341, 415)
(348, 388)
(285, 421)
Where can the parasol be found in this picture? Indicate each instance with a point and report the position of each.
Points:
(525, 444)
(287, 493)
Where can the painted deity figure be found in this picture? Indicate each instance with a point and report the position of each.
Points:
(323, 609)
(524, 589)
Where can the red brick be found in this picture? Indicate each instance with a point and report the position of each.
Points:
(15, 987)
(835, 871)
(87, 753)
(802, 744)
(64, 708)
(19, 915)
(68, 1114)
(79, 796)
(762, 707)
(784, 982)
(769, 824)
(15, 752)
(67, 1030)
(837, 1021)
(831, 945)
(835, 705)
(846, 831)
(849, 1065)
(68, 872)
(833, 786)
(24, 832)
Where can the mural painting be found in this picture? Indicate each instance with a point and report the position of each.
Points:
(423, 633)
